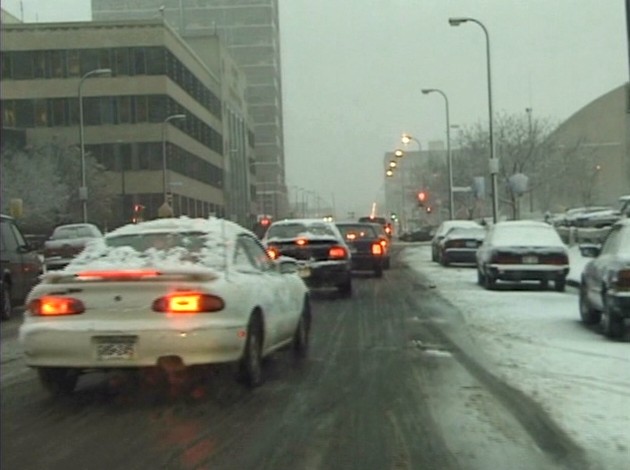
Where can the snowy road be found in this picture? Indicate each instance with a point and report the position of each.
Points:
(539, 346)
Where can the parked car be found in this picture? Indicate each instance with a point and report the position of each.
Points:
(168, 293)
(66, 242)
(367, 247)
(605, 282)
(460, 245)
(441, 231)
(418, 234)
(320, 249)
(522, 251)
(20, 266)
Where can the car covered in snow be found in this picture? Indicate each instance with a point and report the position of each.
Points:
(460, 245)
(320, 249)
(169, 292)
(66, 242)
(605, 282)
(441, 232)
(522, 251)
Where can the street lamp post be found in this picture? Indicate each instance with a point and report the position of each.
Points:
(449, 160)
(172, 117)
(83, 195)
(494, 164)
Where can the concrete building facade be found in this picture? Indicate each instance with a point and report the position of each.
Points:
(250, 30)
(154, 75)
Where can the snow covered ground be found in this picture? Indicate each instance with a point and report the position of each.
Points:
(539, 346)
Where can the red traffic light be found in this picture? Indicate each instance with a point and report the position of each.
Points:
(422, 196)
(264, 222)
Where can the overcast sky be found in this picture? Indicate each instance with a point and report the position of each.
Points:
(353, 71)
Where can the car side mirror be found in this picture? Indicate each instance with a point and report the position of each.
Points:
(287, 265)
(590, 250)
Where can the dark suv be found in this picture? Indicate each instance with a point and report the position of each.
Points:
(20, 266)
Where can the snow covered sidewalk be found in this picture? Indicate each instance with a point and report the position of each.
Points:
(540, 346)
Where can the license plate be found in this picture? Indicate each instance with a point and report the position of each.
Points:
(530, 259)
(304, 272)
(115, 348)
(471, 244)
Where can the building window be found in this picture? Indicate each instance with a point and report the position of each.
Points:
(7, 72)
(41, 113)
(8, 113)
(156, 60)
(124, 110)
(141, 112)
(157, 106)
(24, 111)
(57, 61)
(107, 110)
(139, 61)
(73, 61)
(105, 59)
(91, 111)
(122, 62)
(40, 65)
(58, 112)
(89, 60)
(22, 65)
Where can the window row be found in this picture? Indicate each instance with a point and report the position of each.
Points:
(105, 110)
(123, 61)
(182, 205)
(148, 156)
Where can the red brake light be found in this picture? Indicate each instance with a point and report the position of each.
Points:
(301, 241)
(117, 275)
(377, 249)
(384, 243)
(337, 252)
(623, 280)
(188, 302)
(273, 252)
(56, 306)
(388, 229)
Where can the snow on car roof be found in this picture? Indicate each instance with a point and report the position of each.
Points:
(525, 233)
(168, 244)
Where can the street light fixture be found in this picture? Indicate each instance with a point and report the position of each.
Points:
(399, 153)
(494, 164)
(83, 194)
(393, 164)
(449, 160)
(172, 117)
(389, 173)
(406, 138)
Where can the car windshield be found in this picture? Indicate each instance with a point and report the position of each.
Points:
(295, 230)
(266, 186)
(526, 236)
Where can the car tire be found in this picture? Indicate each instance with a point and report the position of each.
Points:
(7, 306)
(588, 314)
(480, 278)
(560, 285)
(58, 381)
(489, 282)
(301, 338)
(612, 324)
(345, 289)
(251, 364)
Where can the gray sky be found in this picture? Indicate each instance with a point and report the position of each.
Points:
(353, 71)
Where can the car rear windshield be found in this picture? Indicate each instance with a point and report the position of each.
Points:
(64, 233)
(295, 230)
(191, 241)
(359, 231)
(526, 236)
(375, 220)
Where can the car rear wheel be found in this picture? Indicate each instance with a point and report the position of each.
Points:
(7, 307)
(302, 332)
(588, 314)
(489, 282)
(345, 289)
(560, 284)
(58, 380)
(250, 367)
(612, 324)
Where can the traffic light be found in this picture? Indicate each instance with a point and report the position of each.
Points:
(138, 213)
(422, 198)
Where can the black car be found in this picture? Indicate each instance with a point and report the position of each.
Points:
(320, 249)
(460, 244)
(605, 282)
(20, 266)
(371, 219)
(366, 244)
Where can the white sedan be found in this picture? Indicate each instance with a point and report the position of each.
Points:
(189, 291)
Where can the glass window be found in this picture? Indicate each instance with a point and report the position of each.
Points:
(40, 67)
(57, 61)
(122, 62)
(141, 112)
(22, 65)
(73, 111)
(105, 59)
(89, 60)
(139, 61)
(9, 243)
(7, 59)
(124, 109)
(24, 110)
(107, 109)
(58, 112)
(257, 254)
(91, 111)
(8, 113)
(41, 113)
(73, 61)
(157, 107)
(156, 60)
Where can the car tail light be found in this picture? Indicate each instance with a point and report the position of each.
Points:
(503, 258)
(337, 252)
(188, 302)
(51, 305)
(301, 241)
(383, 243)
(377, 249)
(455, 244)
(557, 260)
(117, 275)
(273, 252)
(622, 281)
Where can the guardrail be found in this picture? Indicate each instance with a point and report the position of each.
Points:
(576, 235)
